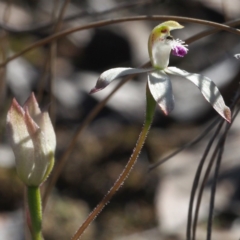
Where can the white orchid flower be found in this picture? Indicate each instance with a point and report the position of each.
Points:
(160, 45)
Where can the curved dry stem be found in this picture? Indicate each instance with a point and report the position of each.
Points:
(200, 35)
(150, 109)
(221, 144)
(116, 185)
(196, 182)
(114, 21)
(199, 198)
(198, 203)
(82, 14)
(214, 186)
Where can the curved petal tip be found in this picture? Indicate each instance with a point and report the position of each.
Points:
(94, 90)
(227, 114)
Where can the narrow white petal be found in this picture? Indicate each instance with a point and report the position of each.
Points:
(108, 76)
(47, 129)
(32, 105)
(208, 89)
(161, 89)
(20, 140)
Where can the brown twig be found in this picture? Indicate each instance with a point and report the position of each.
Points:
(84, 13)
(114, 21)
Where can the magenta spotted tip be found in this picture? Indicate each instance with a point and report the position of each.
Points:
(94, 90)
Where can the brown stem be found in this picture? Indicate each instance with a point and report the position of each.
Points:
(119, 20)
(129, 166)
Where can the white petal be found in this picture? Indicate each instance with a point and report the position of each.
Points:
(161, 89)
(160, 54)
(108, 76)
(20, 140)
(32, 105)
(47, 129)
(208, 89)
(42, 152)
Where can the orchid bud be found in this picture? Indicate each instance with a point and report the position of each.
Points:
(33, 141)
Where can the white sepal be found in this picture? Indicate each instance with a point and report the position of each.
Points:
(208, 89)
(161, 88)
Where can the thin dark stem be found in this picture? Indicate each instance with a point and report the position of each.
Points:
(84, 13)
(118, 20)
(236, 98)
(190, 144)
(232, 23)
(196, 182)
(213, 190)
(215, 177)
(199, 198)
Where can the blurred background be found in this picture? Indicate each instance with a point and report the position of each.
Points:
(151, 204)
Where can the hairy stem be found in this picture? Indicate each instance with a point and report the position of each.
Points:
(150, 109)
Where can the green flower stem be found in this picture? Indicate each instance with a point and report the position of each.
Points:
(35, 209)
(150, 109)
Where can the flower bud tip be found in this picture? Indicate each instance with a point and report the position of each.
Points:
(94, 90)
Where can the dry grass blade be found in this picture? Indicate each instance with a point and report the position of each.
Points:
(82, 14)
(196, 180)
(221, 144)
(197, 177)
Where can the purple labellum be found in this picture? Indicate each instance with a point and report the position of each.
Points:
(178, 48)
(179, 51)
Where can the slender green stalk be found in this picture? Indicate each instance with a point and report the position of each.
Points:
(129, 166)
(35, 209)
